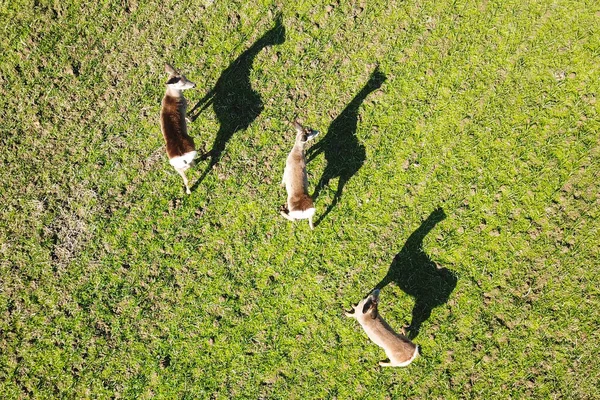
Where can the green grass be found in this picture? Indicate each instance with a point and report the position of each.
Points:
(115, 284)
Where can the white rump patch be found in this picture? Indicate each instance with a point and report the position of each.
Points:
(297, 214)
(405, 363)
(184, 161)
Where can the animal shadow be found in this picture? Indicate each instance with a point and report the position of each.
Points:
(234, 101)
(343, 152)
(417, 275)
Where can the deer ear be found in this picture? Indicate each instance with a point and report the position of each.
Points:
(370, 306)
(173, 80)
(298, 127)
(352, 312)
(170, 70)
(374, 312)
(367, 306)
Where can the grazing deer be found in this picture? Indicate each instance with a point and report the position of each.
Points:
(399, 349)
(180, 146)
(299, 204)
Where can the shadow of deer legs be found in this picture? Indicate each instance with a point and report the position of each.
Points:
(234, 101)
(343, 152)
(419, 276)
(336, 198)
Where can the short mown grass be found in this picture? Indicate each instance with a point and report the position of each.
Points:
(115, 284)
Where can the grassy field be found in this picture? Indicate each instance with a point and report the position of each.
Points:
(458, 168)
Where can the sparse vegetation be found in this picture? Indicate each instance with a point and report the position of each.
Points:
(116, 284)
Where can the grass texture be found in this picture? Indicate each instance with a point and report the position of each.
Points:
(457, 168)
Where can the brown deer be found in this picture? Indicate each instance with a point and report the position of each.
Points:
(299, 204)
(180, 146)
(399, 349)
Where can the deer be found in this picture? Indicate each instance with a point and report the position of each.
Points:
(299, 204)
(398, 348)
(180, 146)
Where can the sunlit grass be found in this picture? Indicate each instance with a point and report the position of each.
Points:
(115, 284)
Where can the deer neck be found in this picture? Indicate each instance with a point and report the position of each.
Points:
(176, 93)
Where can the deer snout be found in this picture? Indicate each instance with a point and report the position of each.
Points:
(375, 294)
(313, 134)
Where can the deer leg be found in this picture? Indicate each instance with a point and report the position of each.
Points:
(185, 181)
